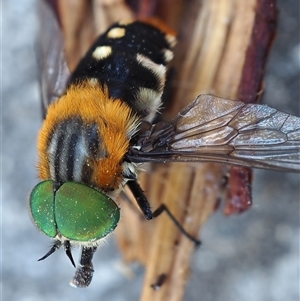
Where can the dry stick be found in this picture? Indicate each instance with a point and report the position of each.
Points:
(218, 42)
(223, 30)
(192, 201)
(78, 29)
(238, 190)
(107, 12)
(82, 21)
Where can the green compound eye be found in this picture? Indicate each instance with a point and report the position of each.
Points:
(83, 213)
(42, 207)
(77, 212)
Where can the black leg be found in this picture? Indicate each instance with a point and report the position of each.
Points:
(141, 199)
(67, 246)
(126, 198)
(84, 273)
(145, 207)
(163, 208)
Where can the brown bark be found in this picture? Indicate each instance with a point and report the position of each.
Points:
(222, 48)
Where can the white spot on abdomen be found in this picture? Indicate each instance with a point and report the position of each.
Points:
(101, 52)
(116, 33)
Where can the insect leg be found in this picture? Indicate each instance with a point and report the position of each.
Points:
(163, 208)
(144, 205)
(140, 198)
(84, 272)
(126, 198)
(67, 246)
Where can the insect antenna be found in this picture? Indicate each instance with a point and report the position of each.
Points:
(55, 246)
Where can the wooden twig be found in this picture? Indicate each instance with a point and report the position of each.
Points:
(212, 56)
(82, 21)
(214, 59)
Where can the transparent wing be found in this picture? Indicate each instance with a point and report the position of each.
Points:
(221, 130)
(54, 72)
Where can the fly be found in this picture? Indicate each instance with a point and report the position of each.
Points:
(98, 131)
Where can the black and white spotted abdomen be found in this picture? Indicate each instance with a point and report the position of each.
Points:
(130, 60)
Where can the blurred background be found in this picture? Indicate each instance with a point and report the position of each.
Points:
(253, 256)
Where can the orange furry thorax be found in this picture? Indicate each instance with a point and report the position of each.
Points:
(115, 124)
